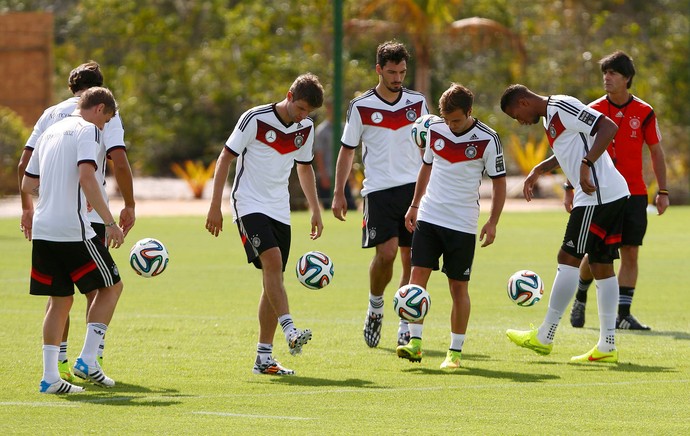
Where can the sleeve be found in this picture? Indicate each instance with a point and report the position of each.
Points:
(244, 131)
(650, 130)
(493, 159)
(33, 168)
(352, 132)
(305, 155)
(576, 116)
(87, 145)
(114, 134)
(39, 128)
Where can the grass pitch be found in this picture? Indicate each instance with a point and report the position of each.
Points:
(181, 345)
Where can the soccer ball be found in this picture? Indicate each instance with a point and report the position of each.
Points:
(420, 128)
(314, 270)
(148, 257)
(411, 302)
(525, 288)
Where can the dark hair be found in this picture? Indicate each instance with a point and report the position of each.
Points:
(97, 95)
(454, 98)
(512, 94)
(392, 51)
(308, 88)
(621, 63)
(85, 76)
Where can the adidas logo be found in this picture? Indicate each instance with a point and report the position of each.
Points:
(408, 101)
(467, 272)
(570, 244)
(474, 137)
(619, 114)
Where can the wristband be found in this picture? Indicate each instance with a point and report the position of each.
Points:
(663, 192)
(587, 162)
(111, 224)
(568, 187)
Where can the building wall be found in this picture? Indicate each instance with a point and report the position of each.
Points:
(26, 63)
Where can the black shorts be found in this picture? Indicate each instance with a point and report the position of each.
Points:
(595, 231)
(635, 220)
(259, 233)
(384, 216)
(99, 228)
(430, 241)
(57, 266)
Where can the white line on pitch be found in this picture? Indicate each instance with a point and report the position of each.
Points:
(36, 404)
(244, 415)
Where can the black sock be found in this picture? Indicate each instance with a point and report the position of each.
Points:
(625, 300)
(582, 287)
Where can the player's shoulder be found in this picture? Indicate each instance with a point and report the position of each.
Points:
(414, 94)
(565, 104)
(637, 101)
(363, 97)
(485, 128)
(255, 113)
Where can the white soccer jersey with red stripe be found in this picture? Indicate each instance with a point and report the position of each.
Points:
(568, 124)
(267, 149)
(459, 161)
(389, 155)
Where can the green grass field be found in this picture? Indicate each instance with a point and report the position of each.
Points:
(181, 345)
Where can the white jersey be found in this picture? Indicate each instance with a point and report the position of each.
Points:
(459, 161)
(389, 155)
(267, 149)
(113, 138)
(60, 213)
(568, 124)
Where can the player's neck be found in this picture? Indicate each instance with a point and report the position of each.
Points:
(281, 110)
(387, 94)
(619, 98)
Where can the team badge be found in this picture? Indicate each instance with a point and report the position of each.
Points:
(270, 136)
(552, 131)
(411, 115)
(372, 234)
(634, 123)
(471, 152)
(439, 144)
(116, 272)
(256, 241)
(299, 141)
(376, 117)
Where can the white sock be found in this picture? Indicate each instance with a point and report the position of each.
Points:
(50, 363)
(94, 333)
(416, 330)
(263, 352)
(562, 292)
(403, 327)
(457, 340)
(375, 304)
(607, 299)
(101, 347)
(287, 325)
(62, 356)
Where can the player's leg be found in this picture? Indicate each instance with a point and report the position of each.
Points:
(577, 314)
(99, 228)
(412, 350)
(268, 321)
(63, 362)
(406, 263)
(380, 274)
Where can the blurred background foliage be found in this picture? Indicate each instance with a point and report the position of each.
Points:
(184, 71)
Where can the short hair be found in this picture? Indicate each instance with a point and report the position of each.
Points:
(85, 76)
(308, 88)
(621, 63)
(98, 95)
(454, 98)
(512, 94)
(393, 51)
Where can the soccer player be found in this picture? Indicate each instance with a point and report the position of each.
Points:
(267, 141)
(445, 210)
(381, 120)
(637, 125)
(81, 78)
(578, 136)
(65, 248)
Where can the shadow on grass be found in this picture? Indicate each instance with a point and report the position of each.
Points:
(117, 396)
(623, 367)
(314, 381)
(519, 377)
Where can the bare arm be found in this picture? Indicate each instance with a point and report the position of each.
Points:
(92, 191)
(305, 173)
(543, 167)
(419, 191)
(659, 166)
(26, 222)
(498, 199)
(342, 172)
(214, 218)
(123, 176)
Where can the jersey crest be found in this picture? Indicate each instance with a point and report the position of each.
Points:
(393, 120)
(281, 142)
(457, 152)
(554, 129)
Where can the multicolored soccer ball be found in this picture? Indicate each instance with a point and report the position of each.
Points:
(412, 303)
(314, 270)
(525, 288)
(420, 128)
(148, 257)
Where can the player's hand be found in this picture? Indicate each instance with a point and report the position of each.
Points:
(411, 219)
(114, 236)
(214, 221)
(127, 218)
(339, 206)
(528, 185)
(488, 232)
(585, 180)
(26, 223)
(316, 227)
(662, 202)
(568, 200)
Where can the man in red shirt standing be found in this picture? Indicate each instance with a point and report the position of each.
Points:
(637, 125)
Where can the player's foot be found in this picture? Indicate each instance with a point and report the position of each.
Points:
(452, 360)
(528, 339)
(412, 351)
(65, 371)
(297, 340)
(577, 314)
(403, 338)
(92, 373)
(59, 387)
(372, 329)
(594, 355)
(629, 322)
(271, 367)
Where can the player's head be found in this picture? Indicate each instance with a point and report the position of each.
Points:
(620, 63)
(85, 76)
(97, 105)
(305, 96)
(391, 64)
(455, 106)
(518, 102)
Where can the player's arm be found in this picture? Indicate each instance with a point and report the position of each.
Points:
(305, 174)
(214, 218)
(26, 221)
(546, 166)
(419, 191)
(603, 132)
(94, 196)
(498, 200)
(123, 176)
(659, 166)
(342, 172)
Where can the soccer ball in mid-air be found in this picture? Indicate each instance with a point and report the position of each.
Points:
(148, 257)
(525, 288)
(411, 303)
(420, 128)
(314, 270)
